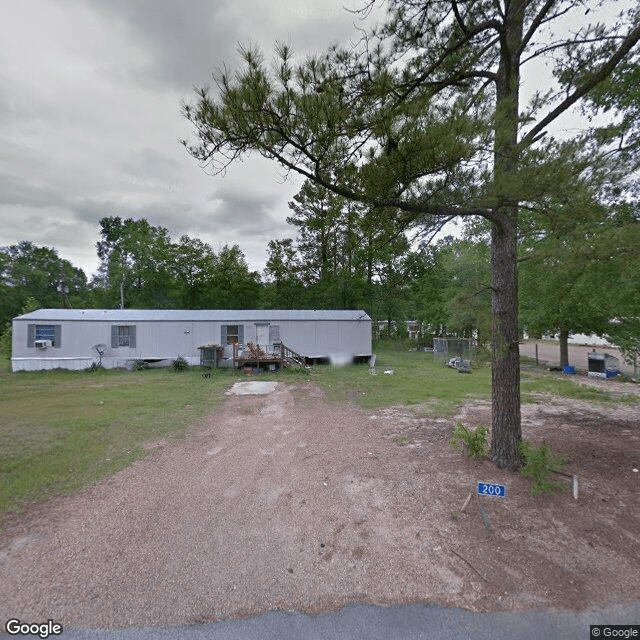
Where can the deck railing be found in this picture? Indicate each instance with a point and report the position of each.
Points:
(281, 354)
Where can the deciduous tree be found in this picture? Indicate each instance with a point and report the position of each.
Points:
(39, 273)
(135, 262)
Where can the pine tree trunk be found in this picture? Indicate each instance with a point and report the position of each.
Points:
(505, 376)
(505, 394)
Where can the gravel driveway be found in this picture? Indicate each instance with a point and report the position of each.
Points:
(578, 354)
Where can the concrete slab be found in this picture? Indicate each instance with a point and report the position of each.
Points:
(253, 388)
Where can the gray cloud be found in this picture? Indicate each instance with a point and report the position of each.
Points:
(189, 40)
(90, 95)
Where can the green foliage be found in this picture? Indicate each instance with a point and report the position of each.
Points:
(283, 289)
(134, 259)
(341, 259)
(32, 277)
(466, 292)
(139, 365)
(5, 341)
(423, 120)
(424, 289)
(180, 364)
(619, 97)
(567, 267)
(539, 464)
(474, 442)
(296, 370)
(394, 344)
(140, 260)
(29, 304)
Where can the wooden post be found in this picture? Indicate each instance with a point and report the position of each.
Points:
(536, 353)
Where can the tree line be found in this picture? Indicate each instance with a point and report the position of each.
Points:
(335, 260)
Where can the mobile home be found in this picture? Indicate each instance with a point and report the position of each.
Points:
(77, 338)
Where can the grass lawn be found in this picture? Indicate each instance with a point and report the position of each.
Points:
(63, 430)
(417, 381)
(431, 388)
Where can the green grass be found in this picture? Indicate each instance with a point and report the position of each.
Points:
(63, 430)
(417, 381)
(431, 388)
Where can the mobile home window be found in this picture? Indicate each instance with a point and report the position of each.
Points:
(123, 335)
(232, 334)
(46, 332)
(50, 332)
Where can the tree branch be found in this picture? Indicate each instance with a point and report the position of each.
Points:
(535, 25)
(416, 208)
(564, 44)
(469, 33)
(456, 13)
(605, 70)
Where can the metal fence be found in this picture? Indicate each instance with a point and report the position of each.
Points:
(447, 349)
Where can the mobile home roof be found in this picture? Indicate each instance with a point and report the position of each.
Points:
(189, 315)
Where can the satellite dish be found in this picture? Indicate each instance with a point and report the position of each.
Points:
(100, 350)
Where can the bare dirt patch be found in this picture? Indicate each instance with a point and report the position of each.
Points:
(284, 501)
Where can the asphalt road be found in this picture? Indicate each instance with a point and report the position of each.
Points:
(367, 622)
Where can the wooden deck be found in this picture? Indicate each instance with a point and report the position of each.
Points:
(255, 355)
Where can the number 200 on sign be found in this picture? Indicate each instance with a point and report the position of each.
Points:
(496, 490)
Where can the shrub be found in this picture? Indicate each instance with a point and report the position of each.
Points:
(474, 442)
(180, 364)
(539, 464)
(139, 365)
(384, 343)
(5, 341)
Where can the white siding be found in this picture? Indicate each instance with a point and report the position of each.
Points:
(166, 338)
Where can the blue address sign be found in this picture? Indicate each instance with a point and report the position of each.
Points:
(489, 489)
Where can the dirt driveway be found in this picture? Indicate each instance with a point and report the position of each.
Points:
(283, 501)
(549, 353)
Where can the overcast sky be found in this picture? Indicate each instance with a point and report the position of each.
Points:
(90, 123)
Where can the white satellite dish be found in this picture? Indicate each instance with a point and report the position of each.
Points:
(100, 350)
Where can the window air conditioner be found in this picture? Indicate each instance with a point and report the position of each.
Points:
(42, 344)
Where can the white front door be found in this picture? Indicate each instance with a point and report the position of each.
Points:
(262, 336)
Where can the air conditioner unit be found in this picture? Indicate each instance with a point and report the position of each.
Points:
(43, 344)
